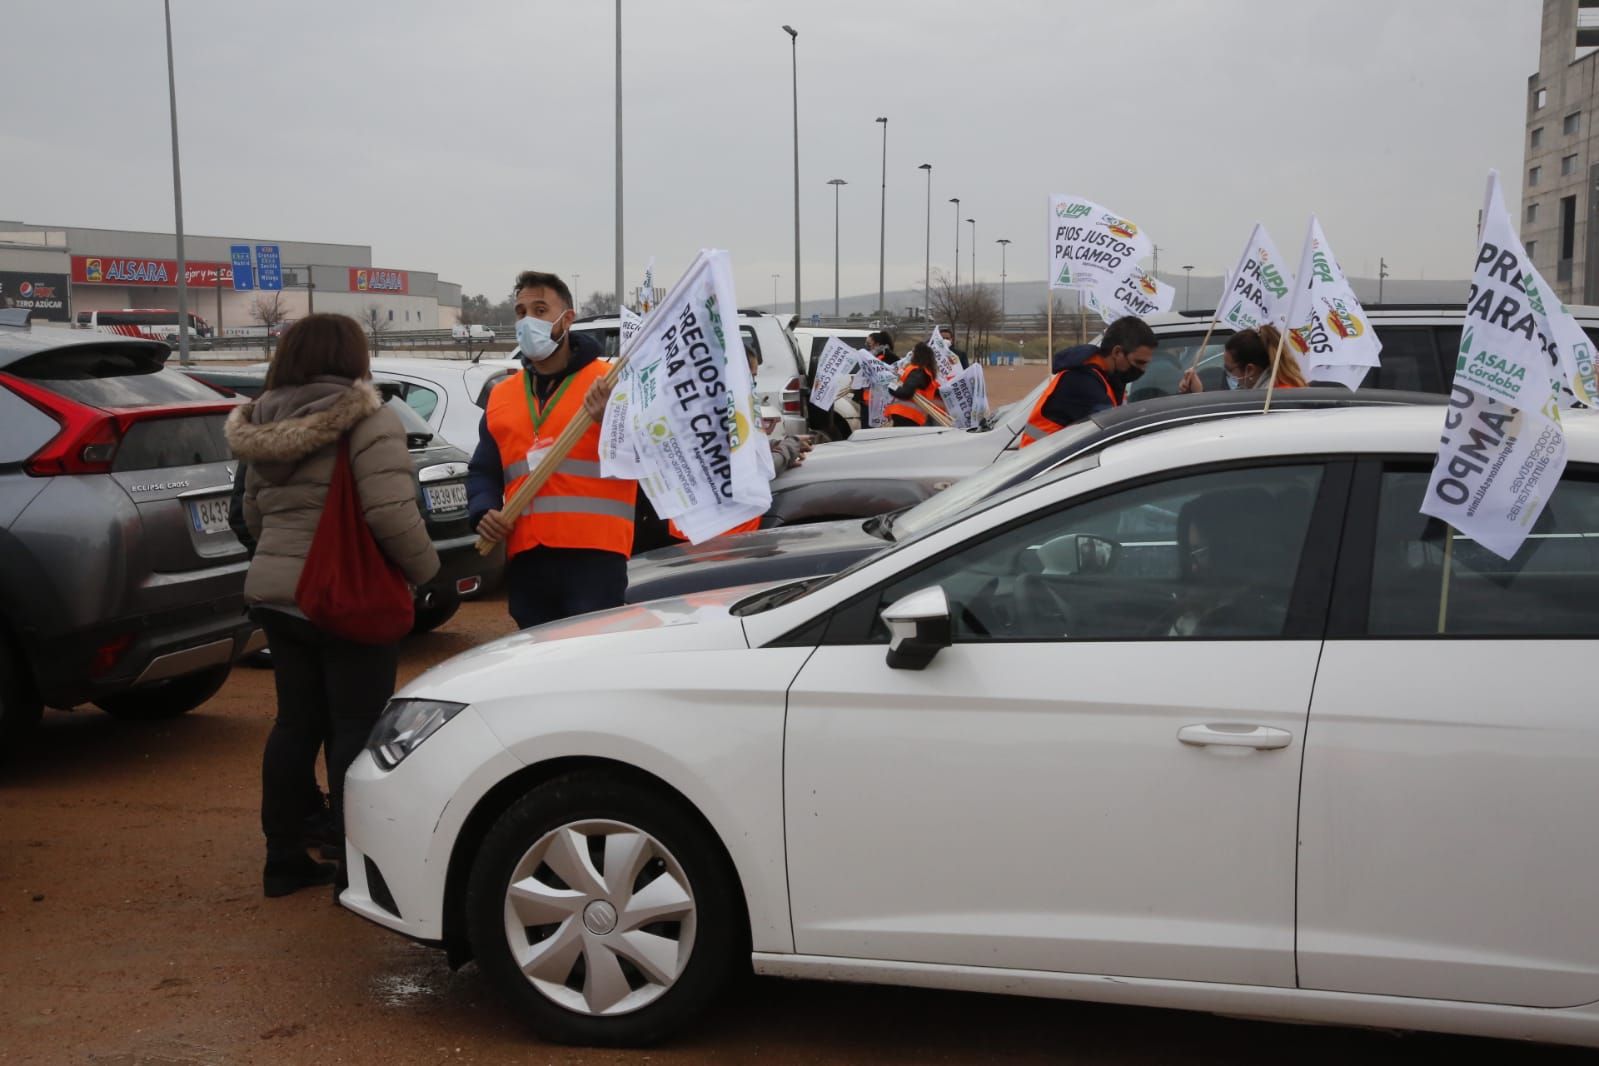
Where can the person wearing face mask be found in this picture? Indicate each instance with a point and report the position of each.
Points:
(567, 553)
(1246, 359)
(1092, 378)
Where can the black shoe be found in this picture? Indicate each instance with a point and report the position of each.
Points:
(321, 831)
(333, 851)
(292, 873)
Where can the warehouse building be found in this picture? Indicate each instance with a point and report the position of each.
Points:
(62, 273)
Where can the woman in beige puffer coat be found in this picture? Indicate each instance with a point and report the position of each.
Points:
(318, 391)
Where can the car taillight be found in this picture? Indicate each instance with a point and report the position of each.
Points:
(107, 654)
(89, 436)
(794, 397)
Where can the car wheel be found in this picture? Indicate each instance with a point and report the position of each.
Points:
(20, 709)
(430, 618)
(603, 911)
(165, 699)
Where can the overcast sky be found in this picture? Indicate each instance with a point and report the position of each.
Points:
(475, 137)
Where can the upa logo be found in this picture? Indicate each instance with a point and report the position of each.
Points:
(1120, 227)
(1072, 210)
(1065, 277)
(361, 281)
(94, 270)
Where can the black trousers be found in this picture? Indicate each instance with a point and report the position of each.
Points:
(545, 584)
(326, 687)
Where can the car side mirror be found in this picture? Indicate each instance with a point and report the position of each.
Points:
(918, 627)
(1095, 555)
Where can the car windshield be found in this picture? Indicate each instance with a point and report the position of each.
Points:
(1011, 467)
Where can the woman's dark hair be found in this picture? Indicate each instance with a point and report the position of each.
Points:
(321, 345)
(1256, 347)
(888, 341)
(923, 356)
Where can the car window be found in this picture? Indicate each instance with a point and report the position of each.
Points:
(169, 442)
(421, 399)
(1174, 355)
(1427, 580)
(482, 399)
(753, 342)
(1211, 555)
(1409, 360)
(111, 377)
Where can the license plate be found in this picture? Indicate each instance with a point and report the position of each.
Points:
(209, 516)
(446, 497)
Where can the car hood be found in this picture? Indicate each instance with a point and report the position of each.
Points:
(786, 553)
(898, 452)
(866, 436)
(690, 623)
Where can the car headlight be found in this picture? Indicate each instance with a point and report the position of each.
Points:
(404, 725)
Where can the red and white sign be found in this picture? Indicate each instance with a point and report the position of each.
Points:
(373, 279)
(162, 273)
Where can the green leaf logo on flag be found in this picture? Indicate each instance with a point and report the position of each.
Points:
(1465, 350)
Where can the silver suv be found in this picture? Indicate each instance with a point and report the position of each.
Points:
(120, 581)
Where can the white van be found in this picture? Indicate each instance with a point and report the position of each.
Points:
(473, 332)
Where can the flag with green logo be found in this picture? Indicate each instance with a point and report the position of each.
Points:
(1256, 292)
(1328, 331)
(1089, 245)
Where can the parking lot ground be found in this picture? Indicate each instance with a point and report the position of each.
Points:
(133, 933)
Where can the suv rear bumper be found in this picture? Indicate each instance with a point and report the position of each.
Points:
(458, 562)
(169, 644)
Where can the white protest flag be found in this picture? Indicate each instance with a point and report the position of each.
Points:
(646, 291)
(1327, 327)
(834, 369)
(688, 410)
(1090, 245)
(881, 377)
(1575, 351)
(1502, 450)
(1256, 292)
(949, 364)
(965, 397)
(618, 455)
(1131, 292)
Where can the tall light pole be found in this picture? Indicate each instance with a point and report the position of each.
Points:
(973, 221)
(835, 183)
(927, 255)
(1382, 275)
(882, 225)
(1188, 287)
(774, 292)
(619, 255)
(956, 200)
(793, 40)
(177, 200)
(1002, 242)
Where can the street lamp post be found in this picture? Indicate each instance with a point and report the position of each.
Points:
(927, 260)
(793, 40)
(956, 200)
(973, 221)
(835, 183)
(1002, 242)
(619, 255)
(177, 200)
(774, 292)
(882, 225)
(1188, 287)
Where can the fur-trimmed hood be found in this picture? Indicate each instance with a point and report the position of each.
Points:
(284, 426)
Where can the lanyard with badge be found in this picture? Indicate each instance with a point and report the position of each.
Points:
(539, 415)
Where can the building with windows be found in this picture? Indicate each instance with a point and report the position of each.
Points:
(63, 272)
(1560, 181)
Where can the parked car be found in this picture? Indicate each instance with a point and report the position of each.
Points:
(781, 382)
(120, 582)
(882, 470)
(440, 491)
(1221, 724)
(448, 394)
(787, 553)
(473, 332)
(845, 416)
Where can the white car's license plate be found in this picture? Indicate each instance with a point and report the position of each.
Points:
(446, 498)
(209, 516)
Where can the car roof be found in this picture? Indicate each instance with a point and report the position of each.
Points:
(17, 345)
(1399, 430)
(1159, 408)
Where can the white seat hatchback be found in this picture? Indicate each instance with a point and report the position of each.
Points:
(1214, 720)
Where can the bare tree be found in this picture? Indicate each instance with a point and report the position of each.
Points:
(377, 323)
(598, 303)
(271, 313)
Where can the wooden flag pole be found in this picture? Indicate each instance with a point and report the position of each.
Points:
(1199, 352)
(1049, 333)
(1443, 594)
(1276, 361)
(937, 413)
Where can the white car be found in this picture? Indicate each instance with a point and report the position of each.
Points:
(780, 383)
(1214, 719)
(449, 394)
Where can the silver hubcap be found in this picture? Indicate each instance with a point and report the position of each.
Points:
(599, 917)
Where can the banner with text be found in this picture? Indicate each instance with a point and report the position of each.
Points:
(1089, 245)
(834, 369)
(1133, 292)
(1328, 330)
(1256, 292)
(965, 397)
(949, 364)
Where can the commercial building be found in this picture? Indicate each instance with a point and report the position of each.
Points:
(62, 271)
(1560, 183)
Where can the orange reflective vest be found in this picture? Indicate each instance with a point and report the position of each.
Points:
(576, 508)
(743, 527)
(1038, 426)
(908, 409)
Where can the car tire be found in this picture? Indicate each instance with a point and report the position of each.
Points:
(165, 699)
(677, 859)
(20, 709)
(430, 618)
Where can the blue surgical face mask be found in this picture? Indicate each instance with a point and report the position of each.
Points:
(533, 338)
(1233, 381)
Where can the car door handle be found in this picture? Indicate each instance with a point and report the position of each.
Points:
(1231, 735)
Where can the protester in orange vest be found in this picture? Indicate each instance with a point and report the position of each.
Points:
(567, 552)
(1246, 360)
(1091, 378)
(920, 377)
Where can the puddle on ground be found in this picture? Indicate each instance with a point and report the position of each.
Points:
(412, 975)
